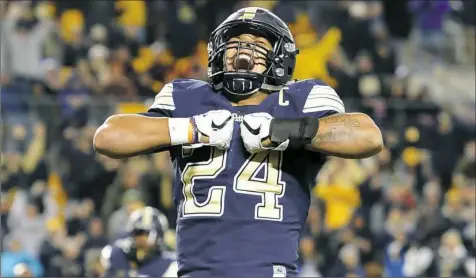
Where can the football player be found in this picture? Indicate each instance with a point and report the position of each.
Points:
(246, 147)
(141, 253)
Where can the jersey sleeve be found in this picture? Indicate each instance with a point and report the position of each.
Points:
(322, 100)
(163, 105)
(172, 270)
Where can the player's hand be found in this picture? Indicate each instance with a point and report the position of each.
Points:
(255, 132)
(214, 128)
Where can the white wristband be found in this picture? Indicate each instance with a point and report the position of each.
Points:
(178, 130)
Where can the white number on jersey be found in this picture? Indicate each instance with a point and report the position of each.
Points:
(270, 188)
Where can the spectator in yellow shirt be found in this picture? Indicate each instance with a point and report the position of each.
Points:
(133, 17)
(340, 192)
(313, 57)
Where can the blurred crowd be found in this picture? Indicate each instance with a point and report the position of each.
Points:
(67, 65)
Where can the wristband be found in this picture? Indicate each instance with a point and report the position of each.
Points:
(299, 131)
(178, 131)
(195, 135)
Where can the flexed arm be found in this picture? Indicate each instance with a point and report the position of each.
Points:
(323, 127)
(337, 133)
(127, 135)
(347, 135)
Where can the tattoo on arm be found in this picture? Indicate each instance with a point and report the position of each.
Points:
(342, 128)
(342, 119)
(334, 135)
(347, 136)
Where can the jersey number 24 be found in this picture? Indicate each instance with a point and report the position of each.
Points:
(270, 187)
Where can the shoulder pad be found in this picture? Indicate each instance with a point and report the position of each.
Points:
(318, 96)
(105, 259)
(189, 84)
(112, 252)
(164, 99)
(307, 81)
(305, 85)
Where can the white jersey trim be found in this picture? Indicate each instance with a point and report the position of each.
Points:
(322, 98)
(164, 99)
(172, 270)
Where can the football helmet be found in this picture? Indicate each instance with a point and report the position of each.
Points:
(280, 61)
(149, 221)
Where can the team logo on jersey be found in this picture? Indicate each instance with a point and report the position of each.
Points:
(237, 118)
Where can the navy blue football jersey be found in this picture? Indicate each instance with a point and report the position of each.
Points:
(118, 261)
(242, 214)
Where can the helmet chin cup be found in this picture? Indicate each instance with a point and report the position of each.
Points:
(241, 83)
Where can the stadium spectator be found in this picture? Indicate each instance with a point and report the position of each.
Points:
(429, 17)
(309, 266)
(348, 264)
(131, 200)
(14, 255)
(24, 35)
(27, 222)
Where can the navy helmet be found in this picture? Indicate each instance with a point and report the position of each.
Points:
(280, 61)
(150, 221)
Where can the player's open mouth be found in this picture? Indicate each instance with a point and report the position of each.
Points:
(243, 63)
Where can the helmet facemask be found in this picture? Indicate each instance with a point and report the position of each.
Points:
(240, 79)
(239, 76)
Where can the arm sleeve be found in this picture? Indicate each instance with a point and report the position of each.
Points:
(322, 101)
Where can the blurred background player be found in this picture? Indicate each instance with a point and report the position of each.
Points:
(142, 252)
